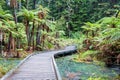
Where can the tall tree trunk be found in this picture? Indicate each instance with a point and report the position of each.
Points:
(20, 5)
(15, 42)
(43, 35)
(27, 2)
(15, 19)
(13, 47)
(32, 32)
(9, 42)
(67, 29)
(32, 35)
(1, 40)
(27, 32)
(15, 16)
(33, 44)
(38, 37)
(13, 3)
(34, 4)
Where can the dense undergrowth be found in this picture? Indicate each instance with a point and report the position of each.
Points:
(102, 40)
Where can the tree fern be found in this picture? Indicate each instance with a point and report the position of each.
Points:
(27, 14)
(88, 53)
(115, 35)
(5, 14)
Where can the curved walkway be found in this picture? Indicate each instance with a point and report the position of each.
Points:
(39, 66)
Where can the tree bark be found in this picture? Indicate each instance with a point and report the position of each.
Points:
(38, 37)
(13, 3)
(27, 4)
(34, 4)
(32, 34)
(9, 42)
(20, 5)
(27, 32)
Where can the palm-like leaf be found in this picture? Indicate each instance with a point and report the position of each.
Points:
(42, 9)
(21, 30)
(28, 15)
(91, 26)
(112, 33)
(5, 14)
(8, 26)
(108, 36)
(4, 25)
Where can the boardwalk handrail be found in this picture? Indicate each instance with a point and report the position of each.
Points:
(68, 50)
(56, 69)
(65, 52)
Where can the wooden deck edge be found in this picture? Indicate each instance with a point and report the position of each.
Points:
(15, 68)
(66, 52)
(56, 69)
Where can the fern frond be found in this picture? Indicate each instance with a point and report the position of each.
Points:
(88, 53)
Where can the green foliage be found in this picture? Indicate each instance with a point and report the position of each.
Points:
(48, 45)
(103, 39)
(2, 3)
(88, 53)
(5, 14)
(43, 25)
(27, 14)
(7, 65)
(99, 78)
(110, 30)
(79, 11)
(21, 30)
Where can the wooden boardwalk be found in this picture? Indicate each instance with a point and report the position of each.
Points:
(38, 67)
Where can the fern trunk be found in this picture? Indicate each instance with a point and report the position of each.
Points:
(32, 34)
(27, 32)
(34, 4)
(38, 37)
(11, 44)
